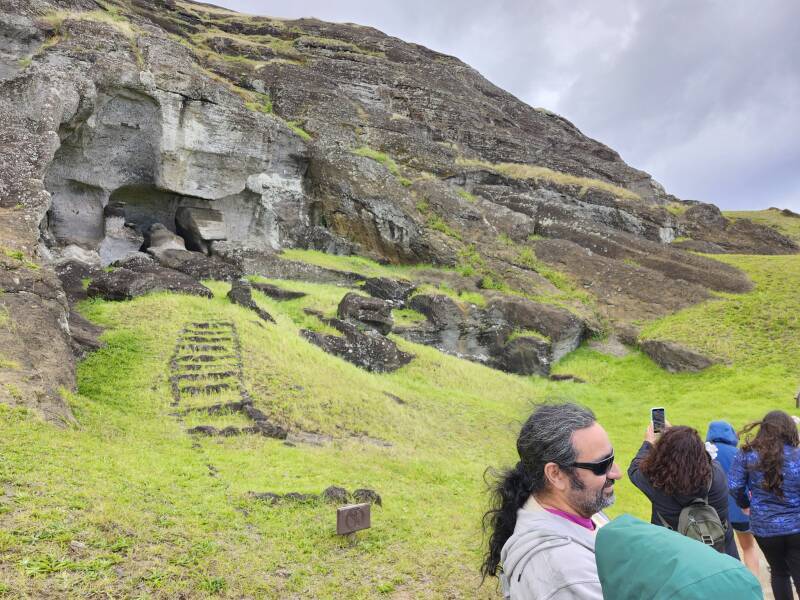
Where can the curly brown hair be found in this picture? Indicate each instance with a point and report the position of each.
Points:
(678, 463)
(776, 429)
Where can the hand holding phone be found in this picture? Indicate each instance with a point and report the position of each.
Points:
(658, 417)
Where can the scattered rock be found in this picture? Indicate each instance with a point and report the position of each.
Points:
(371, 312)
(72, 273)
(367, 495)
(673, 357)
(276, 293)
(241, 293)
(397, 399)
(336, 495)
(306, 437)
(566, 377)
(138, 275)
(198, 266)
(270, 265)
(368, 350)
(395, 291)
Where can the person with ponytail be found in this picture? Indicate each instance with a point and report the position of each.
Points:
(546, 509)
(768, 465)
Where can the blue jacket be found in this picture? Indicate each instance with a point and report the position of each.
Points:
(723, 436)
(769, 515)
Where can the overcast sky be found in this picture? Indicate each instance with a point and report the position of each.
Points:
(702, 94)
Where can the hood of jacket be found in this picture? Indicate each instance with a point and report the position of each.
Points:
(722, 432)
(536, 531)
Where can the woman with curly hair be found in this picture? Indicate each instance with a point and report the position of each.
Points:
(769, 466)
(675, 470)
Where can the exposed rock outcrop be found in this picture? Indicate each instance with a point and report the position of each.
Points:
(513, 334)
(333, 137)
(674, 357)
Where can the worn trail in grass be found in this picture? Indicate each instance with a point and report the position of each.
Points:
(128, 504)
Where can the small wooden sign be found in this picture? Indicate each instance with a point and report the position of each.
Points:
(352, 517)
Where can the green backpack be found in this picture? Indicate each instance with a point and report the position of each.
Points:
(699, 521)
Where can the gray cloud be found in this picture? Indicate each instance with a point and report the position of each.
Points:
(702, 94)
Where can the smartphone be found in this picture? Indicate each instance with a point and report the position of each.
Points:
(658, 417)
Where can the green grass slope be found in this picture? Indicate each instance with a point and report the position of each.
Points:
(127, 504)
(788, 226)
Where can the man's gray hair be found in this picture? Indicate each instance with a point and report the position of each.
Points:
(547, 437)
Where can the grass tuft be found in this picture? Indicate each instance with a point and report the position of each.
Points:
(536, 173)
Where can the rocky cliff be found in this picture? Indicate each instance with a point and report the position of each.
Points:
(254, 134)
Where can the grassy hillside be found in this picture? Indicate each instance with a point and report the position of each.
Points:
(788, 226)
(129, 505)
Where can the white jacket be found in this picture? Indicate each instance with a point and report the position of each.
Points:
(549, 558)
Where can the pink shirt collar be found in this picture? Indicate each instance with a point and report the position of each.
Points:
(582, 521)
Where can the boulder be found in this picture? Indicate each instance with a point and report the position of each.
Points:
(276, 293)
(160, 239)
(336, 495)
(138, 275)
(395, 291)
(200, 226)
(242, 294)
(72, 273)
(198, 265)
(564, 329)
(440, 310)
(674, 357)
(85, 335)
(368, 350)
(371, 312)
(525, 356)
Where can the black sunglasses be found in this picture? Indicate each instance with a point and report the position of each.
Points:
(601, 467)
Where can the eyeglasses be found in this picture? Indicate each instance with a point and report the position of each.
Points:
(601, 467)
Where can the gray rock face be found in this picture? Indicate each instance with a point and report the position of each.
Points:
(368, 350)
(138, 275)
(369, 312)
(120, 239)
(674, 357)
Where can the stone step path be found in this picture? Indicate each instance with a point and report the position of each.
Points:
(207, 383)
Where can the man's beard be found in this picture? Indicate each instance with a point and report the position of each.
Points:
(588, 503)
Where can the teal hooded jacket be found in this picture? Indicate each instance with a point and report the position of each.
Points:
(637, 560)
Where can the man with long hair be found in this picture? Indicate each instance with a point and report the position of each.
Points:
(545, 509)
(769, 466)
